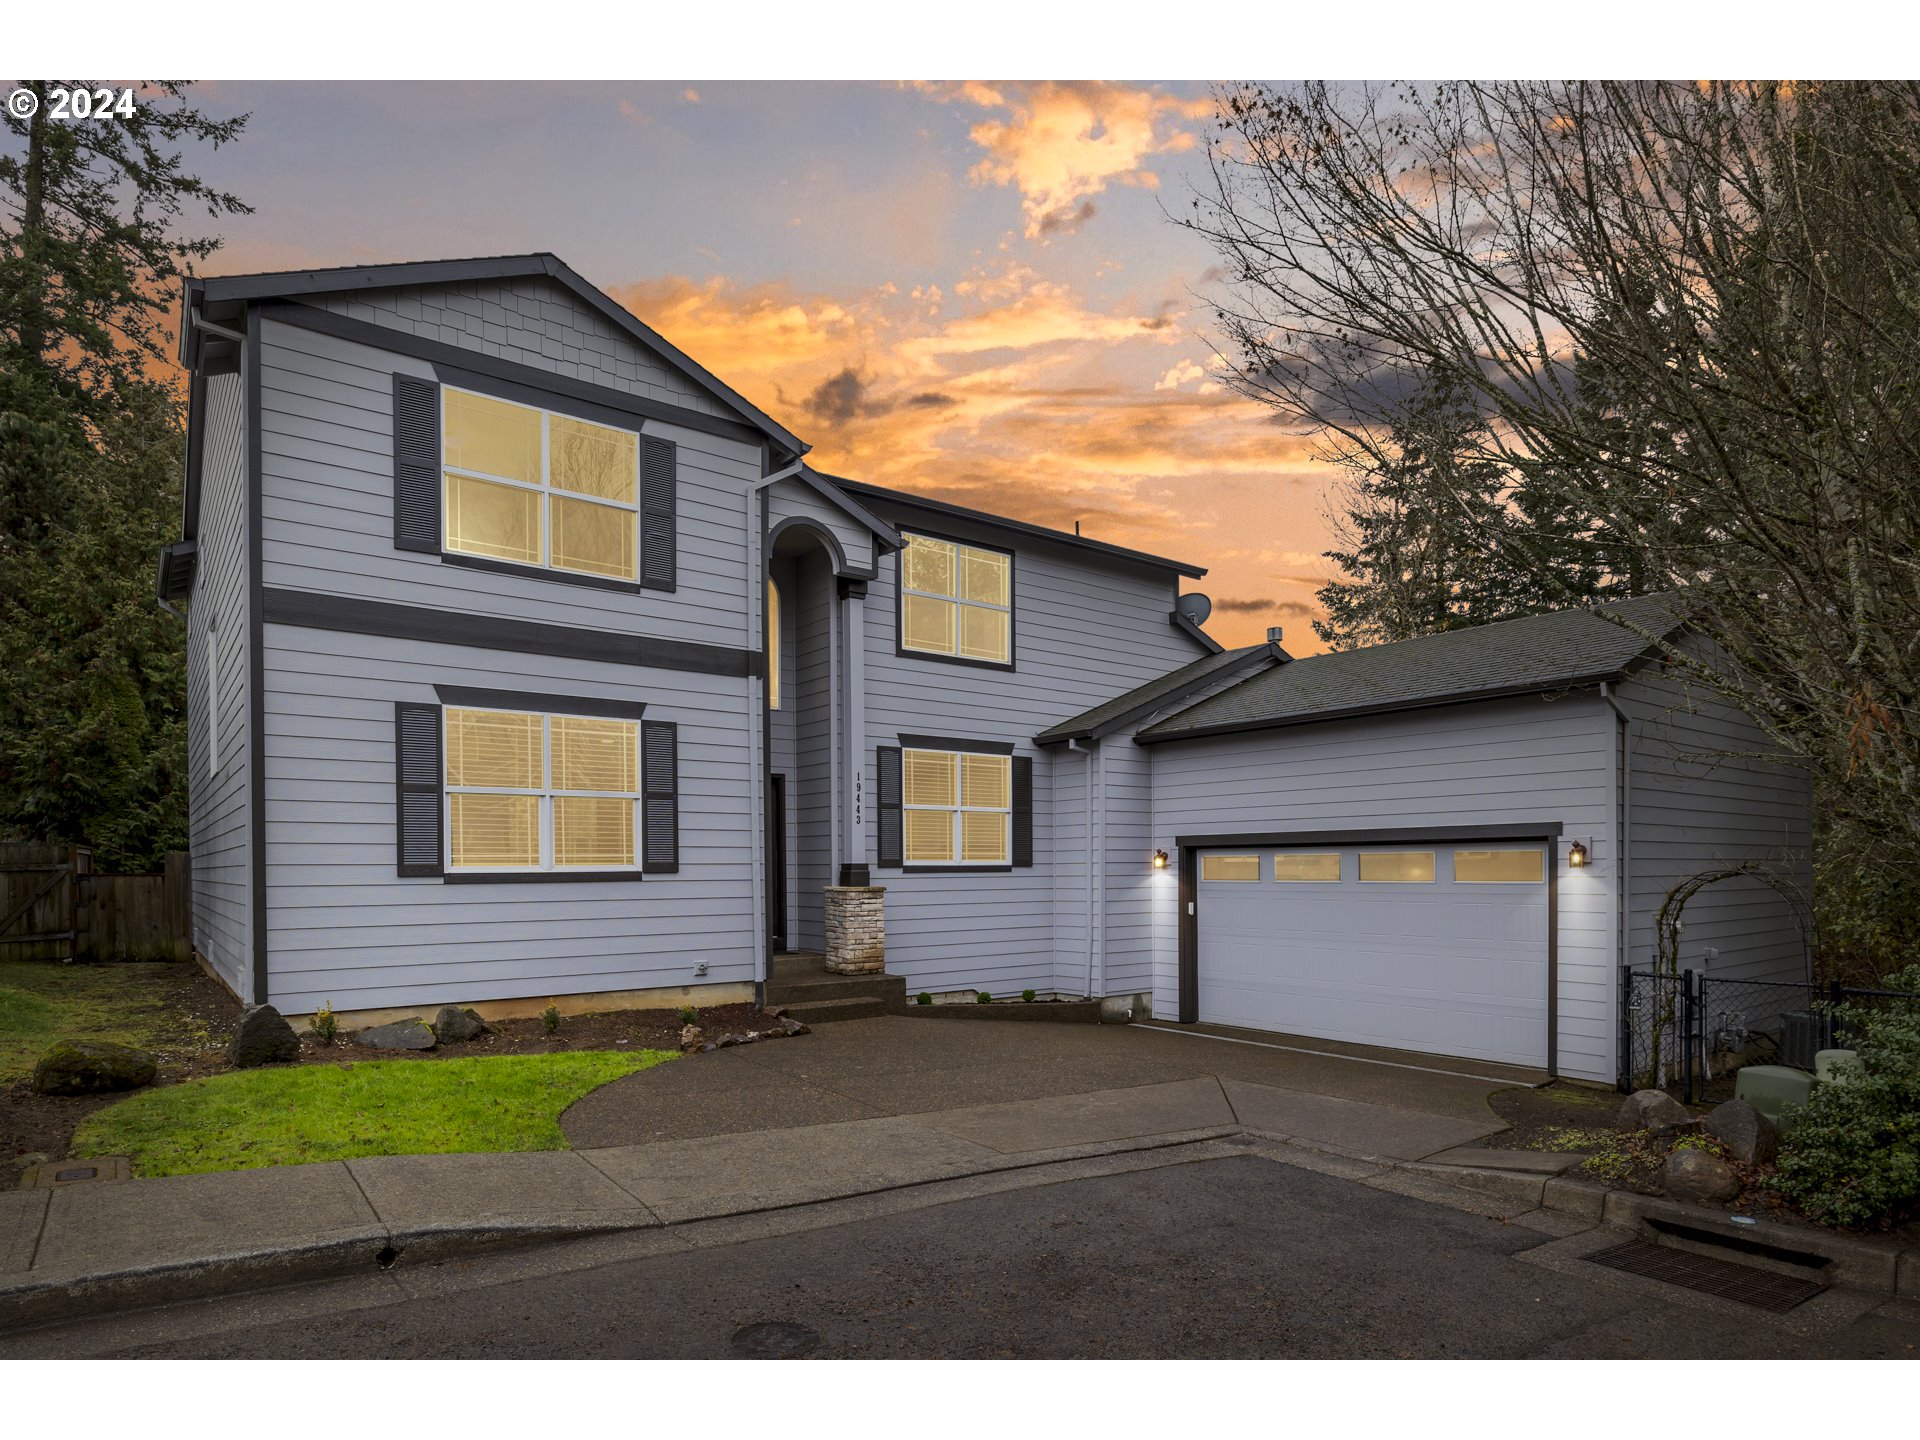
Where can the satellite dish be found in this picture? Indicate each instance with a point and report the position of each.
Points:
(1195, 606)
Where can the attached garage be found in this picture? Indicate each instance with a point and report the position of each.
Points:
(1441, 944)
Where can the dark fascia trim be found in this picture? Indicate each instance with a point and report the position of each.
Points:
(177, 564)
(543, 572)
(1392, 835)
(1246, 665)
(1353, 712)
(1019, 527)
(948, 742)
(256, 660)
(500, 267)
(829, 489)
(1012, 662)
(473, 366)
(357, 616)
(537, 877)
(1192, 631)
(480, 699)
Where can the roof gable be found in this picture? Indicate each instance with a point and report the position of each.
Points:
(1169, 689)
(515, 287)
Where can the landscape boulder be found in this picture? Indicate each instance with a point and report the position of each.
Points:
(1652, 1110)
(92, 1067)
(453, 1025)
(1749, 1136)
(691, 1038)
(411, 1033)
(261, 1036)
(1700, 1177)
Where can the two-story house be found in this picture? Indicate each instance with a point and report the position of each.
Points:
(529, 660)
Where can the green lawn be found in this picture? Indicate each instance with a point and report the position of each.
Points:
(290, 1115)
(42, 1001)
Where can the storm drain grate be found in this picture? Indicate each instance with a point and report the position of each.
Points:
(1761, 1288)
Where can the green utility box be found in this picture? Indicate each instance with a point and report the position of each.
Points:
(1773, 1089)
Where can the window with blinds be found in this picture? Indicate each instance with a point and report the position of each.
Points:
(540, 792)
(956, 809)
(535, 488)
(956, 600)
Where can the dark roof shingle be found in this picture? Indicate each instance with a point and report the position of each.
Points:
(1539, 652)
(1143, 700)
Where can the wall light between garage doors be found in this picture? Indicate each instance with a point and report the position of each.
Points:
(1577, 856)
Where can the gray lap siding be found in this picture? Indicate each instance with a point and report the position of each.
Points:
(344, 928)
(1085, 628)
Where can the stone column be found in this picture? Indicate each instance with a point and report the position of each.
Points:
(856, 929)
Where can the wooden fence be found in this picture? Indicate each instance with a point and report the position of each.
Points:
(53, 906)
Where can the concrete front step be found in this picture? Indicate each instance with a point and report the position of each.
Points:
(860, 1007)
(888, 989)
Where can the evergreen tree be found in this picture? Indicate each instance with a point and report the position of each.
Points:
(92, 729)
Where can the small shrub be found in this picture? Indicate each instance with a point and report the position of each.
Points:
(983, 998)
(325, 1028)
(689, 1014)
(923, 998)
(1852, 1154)
(550, 1017)
(1028, 995)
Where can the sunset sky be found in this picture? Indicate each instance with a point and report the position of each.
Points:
(967, 290)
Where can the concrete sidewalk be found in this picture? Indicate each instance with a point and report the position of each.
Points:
(92, 1248)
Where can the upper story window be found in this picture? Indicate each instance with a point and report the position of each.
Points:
(956, 600)
(535, 488)
(529, 791)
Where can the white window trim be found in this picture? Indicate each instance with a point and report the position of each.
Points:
(955, 600)
(546, 795)
(958, 809)
(544, 488)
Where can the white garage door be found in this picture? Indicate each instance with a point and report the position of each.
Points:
(1441, 948)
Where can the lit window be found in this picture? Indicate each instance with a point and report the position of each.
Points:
(535, 488)
(956, 600)
(773, 646)
(1405, 867)
(540, 792)
(957, 809)
(1230, 867)
(1500, 867)
(1295, 868)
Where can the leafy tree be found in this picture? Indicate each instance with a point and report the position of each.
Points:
(92, 732)
(1691, 315)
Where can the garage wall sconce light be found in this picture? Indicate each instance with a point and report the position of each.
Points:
(1159, 859)
(1577, 856)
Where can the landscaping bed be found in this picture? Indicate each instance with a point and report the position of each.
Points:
(181, 1016)
(1072, 1011)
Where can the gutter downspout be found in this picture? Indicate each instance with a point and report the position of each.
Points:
(1625, 750)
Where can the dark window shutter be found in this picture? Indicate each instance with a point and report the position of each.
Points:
(1022, 811)
(659, 797)
(887, 763)
(418, 787)
(659, 471)
(416, 464)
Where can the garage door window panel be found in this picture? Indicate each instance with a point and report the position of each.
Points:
(1500, 867)
(1303, 869)
(1396, 867)
(1233, 868)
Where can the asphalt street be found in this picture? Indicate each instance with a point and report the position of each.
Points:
(1232, 1257)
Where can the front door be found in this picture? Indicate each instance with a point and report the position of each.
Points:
(777, 861)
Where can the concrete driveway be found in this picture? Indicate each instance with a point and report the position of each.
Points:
(980, 1070)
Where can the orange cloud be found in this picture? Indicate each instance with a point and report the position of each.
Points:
(1060, 144)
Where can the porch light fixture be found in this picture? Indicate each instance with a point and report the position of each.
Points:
(1159, 859)
(1577, 856)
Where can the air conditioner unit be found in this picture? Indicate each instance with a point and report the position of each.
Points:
(1803, 1034)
